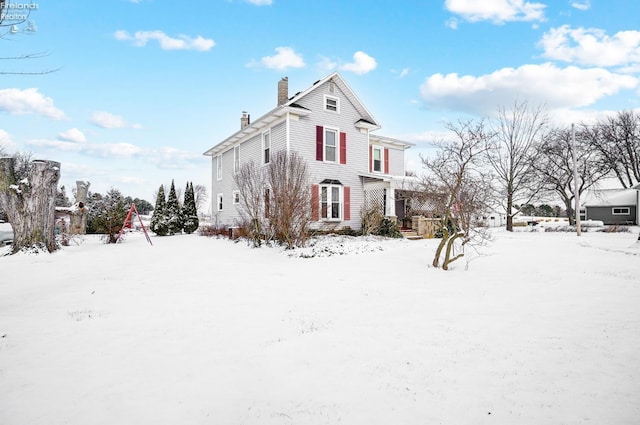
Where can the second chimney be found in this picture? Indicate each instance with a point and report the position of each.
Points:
(283, 91)
(245, 120)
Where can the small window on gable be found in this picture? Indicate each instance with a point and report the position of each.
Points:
(332, 104)
(621, 211)
(236, 197)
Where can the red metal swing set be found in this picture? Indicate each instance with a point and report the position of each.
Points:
(128, 225)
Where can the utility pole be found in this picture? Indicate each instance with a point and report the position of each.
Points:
(576, 189)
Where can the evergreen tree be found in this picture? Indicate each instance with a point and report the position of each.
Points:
(173, 212)
(189, 211)
(159, 224)
(110, 213)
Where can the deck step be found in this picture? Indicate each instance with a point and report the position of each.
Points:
(410, 234)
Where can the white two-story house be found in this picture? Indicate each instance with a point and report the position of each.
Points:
(349, 165)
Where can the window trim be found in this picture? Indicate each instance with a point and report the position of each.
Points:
(627, 209)
(236, 158)
(336, 146)
(267, 135)
(328, 97)
(219, 167)
(219, 202)
(330, 202)
(373, 161)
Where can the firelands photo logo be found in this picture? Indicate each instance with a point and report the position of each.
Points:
(16, 11)
(17, 16)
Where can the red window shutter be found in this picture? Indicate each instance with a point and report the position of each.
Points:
(386, 160)
(370, 158)
(315, 202)
(319, 142)
(343, 148)
(347, 203)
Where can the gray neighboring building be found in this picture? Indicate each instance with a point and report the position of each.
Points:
(613, 206)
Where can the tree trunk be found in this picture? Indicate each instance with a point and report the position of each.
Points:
(29, 202)
(79, 213)
(509, 215)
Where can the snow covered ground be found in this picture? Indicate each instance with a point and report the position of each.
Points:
(541, 328)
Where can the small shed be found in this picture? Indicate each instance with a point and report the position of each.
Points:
(614, 206)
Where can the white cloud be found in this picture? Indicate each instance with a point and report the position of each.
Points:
(6, 143)
(163, 158)
(28, 101)
(401, 73)
(109, 120)
(497, 11)
(591, 46)
(284, 58)
(72, 135)
(182, 42)
(260, 2)
(539, 84)
(581, 5)
(362, 64)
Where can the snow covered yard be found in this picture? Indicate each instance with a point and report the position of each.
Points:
(543, 328)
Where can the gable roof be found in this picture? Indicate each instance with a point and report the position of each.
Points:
(366, 119)
(611, 198)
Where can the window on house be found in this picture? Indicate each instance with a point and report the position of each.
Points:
(331, 104)
(236, 197)
(621, 211)
(219, 167)
(330, 145)
(331, 202)
(378, 159)
(236, 158)
(219, 202)
(266, 147)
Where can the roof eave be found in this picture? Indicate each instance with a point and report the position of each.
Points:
(256, 126)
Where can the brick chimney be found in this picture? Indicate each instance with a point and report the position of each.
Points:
(283, 91)
(245, 120)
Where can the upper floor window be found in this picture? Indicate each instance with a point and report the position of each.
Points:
(236, 158)
(330, 145)
(331, 103)
(266, 147)
(219, 167)
(378, 158)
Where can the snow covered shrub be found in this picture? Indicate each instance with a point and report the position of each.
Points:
(615, 228)
(108, 215)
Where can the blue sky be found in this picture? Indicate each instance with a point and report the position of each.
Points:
(144, 87)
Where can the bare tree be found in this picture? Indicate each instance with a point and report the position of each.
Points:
(516, 133)
(27, 195)
(459, 187)
(200, 193)
(251, 182)
(554, 165)
(617, 141)
(290, 198)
